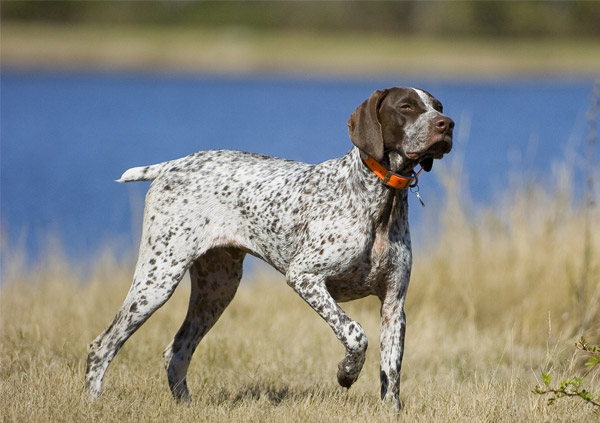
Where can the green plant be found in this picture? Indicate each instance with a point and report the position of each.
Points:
(573, 387)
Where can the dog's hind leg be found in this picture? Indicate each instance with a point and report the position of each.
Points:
(156, 276)
(215, 277)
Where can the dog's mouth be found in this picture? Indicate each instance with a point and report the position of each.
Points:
(434, 151)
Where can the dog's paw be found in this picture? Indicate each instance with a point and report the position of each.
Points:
(348, 370)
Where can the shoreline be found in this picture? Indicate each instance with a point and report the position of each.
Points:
(241, 52)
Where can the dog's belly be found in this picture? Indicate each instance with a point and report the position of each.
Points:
(348, 290)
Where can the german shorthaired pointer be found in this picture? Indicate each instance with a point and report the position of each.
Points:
(337, 230)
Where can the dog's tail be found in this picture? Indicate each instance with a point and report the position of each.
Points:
(143, 173)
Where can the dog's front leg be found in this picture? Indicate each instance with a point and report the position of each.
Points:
(312, 289)
(393, 327)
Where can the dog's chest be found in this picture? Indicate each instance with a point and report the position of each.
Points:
(369, 265)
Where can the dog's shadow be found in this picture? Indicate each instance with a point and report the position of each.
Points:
(276, 395)
(271, 394)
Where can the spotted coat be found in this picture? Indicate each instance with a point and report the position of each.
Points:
(333, 229)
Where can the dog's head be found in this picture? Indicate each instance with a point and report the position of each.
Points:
(402, 127)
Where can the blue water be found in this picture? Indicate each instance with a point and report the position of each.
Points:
(66, 137)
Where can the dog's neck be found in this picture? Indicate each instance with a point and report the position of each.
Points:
(386, 204)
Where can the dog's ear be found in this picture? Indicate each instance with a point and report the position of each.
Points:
(364, 126)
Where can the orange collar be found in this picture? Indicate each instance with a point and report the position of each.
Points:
(388, 177)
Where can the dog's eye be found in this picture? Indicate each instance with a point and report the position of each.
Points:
(406, 106)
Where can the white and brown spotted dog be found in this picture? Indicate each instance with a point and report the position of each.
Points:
(337, 230)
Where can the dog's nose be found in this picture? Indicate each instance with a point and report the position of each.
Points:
(444, 124)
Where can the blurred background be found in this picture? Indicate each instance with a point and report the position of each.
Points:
(90, 89)
(442, 39)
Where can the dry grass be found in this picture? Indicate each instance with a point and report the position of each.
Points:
(499, 298)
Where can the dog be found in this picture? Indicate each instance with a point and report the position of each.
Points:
(337, 230)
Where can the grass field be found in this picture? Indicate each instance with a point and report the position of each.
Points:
(500, 296)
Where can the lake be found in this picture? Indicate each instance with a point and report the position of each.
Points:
(67, 136)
